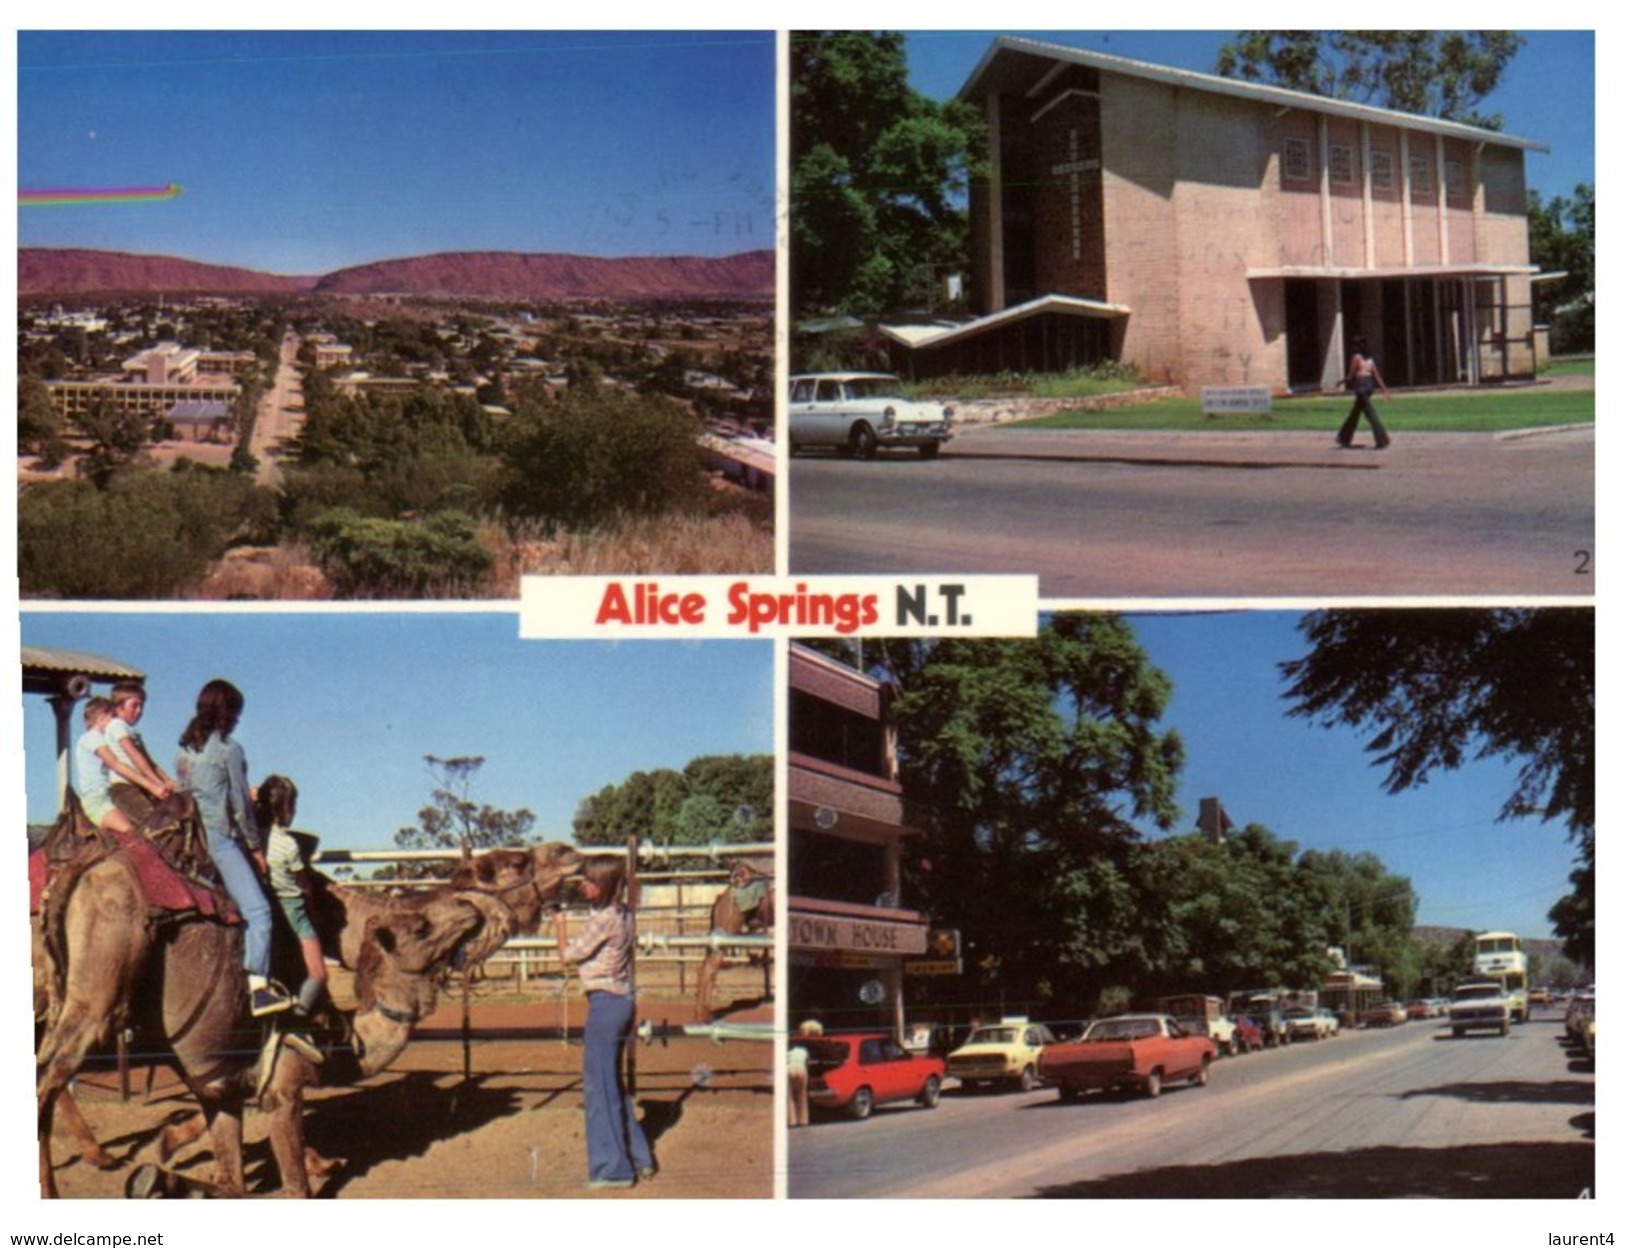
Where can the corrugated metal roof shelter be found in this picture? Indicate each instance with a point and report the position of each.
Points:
(63, 677)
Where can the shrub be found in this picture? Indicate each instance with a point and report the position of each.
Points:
(149, 534)
(595, 457)
(369, 557)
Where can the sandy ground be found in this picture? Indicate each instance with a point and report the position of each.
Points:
(513, 1130)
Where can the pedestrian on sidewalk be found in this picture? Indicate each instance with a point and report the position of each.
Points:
(1362, 378)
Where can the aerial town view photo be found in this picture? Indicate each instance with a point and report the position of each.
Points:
(392, 315)
(1195, 314)
(1237, 905)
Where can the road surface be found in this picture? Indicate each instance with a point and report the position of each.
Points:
(281, 413)
(1400, 1112)
(1132, 515)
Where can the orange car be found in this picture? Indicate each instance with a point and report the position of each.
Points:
(1139, 1052)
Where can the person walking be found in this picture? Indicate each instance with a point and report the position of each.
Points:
(1363, 377)
(212, 767)
(617, 1150)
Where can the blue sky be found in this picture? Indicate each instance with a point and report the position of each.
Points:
(1547, 92)
(1317, 786)
(300, 153)
(347, 704)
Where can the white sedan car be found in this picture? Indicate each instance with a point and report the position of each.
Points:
(857, 413)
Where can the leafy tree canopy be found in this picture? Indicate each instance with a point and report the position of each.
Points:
(1435, 688)
(878, 172)
(452, 819)
(1563, 238)
(1435, 73)
(1031, 764)
(715, 799)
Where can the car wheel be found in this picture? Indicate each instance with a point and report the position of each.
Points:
(931, 1093)
(928, 450)
(1458, 1032)
(863, 1104)
(1199, 1079)
(1153, 1084)
(1506, 1028)
(864, 441)
(1028, 1080)
(1069, 1094)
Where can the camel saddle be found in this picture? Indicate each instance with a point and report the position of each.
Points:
(167, 854)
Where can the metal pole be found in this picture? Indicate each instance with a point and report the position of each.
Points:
(629, 1051)
(468, 1025)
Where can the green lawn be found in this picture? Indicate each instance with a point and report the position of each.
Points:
(1481, 411)
(1571, 366)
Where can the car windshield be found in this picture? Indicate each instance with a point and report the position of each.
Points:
(825, 1054)
(872, 387)
(1121, 1029)
(1478, 992)
(993, 1035)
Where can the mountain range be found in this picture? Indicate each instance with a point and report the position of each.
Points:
(466, 274)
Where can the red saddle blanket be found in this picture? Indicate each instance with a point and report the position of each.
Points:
(167, 891)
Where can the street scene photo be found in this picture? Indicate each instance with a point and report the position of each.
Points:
(1165, 314)
(1244, 905)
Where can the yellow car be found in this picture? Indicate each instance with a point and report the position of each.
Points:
(1005, 1052)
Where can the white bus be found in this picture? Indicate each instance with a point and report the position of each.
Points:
(1500, 956)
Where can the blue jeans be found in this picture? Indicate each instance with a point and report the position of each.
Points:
(616, 1146)
(243, 883)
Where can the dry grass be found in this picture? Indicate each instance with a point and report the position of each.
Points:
(283, 573)
(723, 545)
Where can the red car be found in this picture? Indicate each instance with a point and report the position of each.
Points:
(857, 1072)
(1140, 1052)
(1249, 1038)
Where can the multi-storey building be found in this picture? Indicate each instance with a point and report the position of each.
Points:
(850, 927)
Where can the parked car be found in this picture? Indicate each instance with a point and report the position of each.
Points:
(855, 1073)
(1385, 1014)
(857, 413)
(1480, 1005)
(1249, 1038)
(1141, 1052)
(1419, 1010)
(1332, 1024)
(1582, 1010)
(1004, 1053)
(1202, 1016)
(1305, 1024)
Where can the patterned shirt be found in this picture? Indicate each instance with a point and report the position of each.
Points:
(603, 950)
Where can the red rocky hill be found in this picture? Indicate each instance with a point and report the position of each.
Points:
(75, 271)
(471, 274)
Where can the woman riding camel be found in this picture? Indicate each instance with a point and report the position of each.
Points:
(211, 766)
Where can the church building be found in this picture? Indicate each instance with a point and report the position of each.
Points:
(1216, 232)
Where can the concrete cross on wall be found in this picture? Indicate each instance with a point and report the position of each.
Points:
(1072, 168)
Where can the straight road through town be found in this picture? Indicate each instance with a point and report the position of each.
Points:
(281, 414)
(1130, 515)
(1401, 1112)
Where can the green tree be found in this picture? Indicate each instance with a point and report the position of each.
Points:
(116, 436)
(599, 456)
(1563, 238)
(878, 175)
(39, 427)
(1433, 689)
(1031, 764)
(453, 820)
(1435, 73)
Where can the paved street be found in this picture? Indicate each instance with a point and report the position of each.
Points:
(1137, 514)
(281, 413)
(1401, 1112)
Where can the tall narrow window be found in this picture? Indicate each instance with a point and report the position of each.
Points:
(1295, 160)
(1341, 163)
(1421, 175)
(1382, 169)
(1455, 179)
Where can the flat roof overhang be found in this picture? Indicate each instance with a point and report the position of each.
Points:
(1392, 271)
(917, 337)
(1014, 64)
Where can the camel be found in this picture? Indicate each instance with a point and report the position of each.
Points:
(108, 962)
(746, 905)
